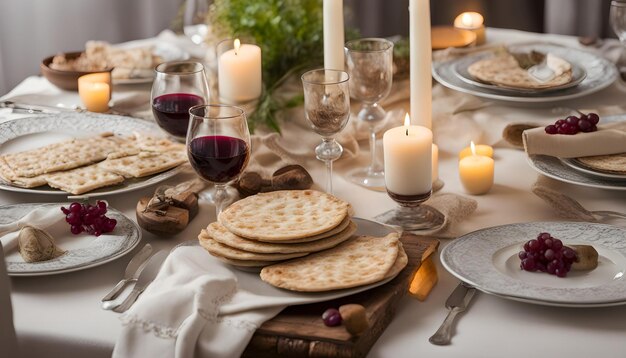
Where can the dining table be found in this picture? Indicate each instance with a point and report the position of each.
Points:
(61, 315)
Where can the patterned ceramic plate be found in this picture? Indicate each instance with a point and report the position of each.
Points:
(600, 74)
(32, 132)
(487, 259)
(82, 251)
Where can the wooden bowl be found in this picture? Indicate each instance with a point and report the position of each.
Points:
(443, 37)
(67, 80)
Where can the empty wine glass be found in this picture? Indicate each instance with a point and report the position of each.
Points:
(218, 146)
(370, 65)
(177, 87)
(617, 19)
(195, 20)
(327, 108)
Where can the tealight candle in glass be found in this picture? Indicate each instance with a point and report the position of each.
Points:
(476, 172)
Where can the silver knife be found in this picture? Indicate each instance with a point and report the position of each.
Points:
(146, 276)
(456, 303)
(35, 108)
(131, 273)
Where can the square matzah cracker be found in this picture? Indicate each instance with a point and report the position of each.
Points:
(82, 180)
(151, 143)
(8, 175)
(144, 163)
(60, 156)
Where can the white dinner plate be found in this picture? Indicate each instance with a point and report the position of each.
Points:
(33, 132)
(600, 74)
(557, 168)
(166, 51)
(82, 251)
(273, 296)
(462, 66)
(487, 259)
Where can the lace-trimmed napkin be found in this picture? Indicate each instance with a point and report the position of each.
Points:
(178, 314)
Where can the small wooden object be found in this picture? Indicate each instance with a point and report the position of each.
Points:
(298, 331)
(168, 219)
(291, 177)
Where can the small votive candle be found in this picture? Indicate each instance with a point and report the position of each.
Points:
(474, 22)
(95, 91)
(481, 149)
(476, 172)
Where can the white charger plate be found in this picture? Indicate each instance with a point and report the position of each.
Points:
(82, 251)
(33, 132)
(487, 259)
(600, 74)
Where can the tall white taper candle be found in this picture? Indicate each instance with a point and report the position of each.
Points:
(420, 60)
(333, 34)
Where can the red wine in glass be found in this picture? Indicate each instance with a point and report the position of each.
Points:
(171, 111)
(218, 159)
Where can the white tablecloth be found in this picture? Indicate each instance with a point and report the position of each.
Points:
(61, 316)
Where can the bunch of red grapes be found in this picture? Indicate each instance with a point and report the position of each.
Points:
(572, 124)
(88, 218)
(547, 254)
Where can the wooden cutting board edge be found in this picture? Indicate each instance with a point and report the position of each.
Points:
(295, 341)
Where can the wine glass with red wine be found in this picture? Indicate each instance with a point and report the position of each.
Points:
(218, 146)
(177, 87)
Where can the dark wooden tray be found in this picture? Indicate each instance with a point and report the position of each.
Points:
(298, 331)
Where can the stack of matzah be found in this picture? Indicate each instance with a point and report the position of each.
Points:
(313, 230)
(81, 165)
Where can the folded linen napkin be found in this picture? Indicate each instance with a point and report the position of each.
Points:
(608, 139)
(41, 218)
(177, 315)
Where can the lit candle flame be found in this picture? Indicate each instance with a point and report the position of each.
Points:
(473, 147)
(471, 19)
(407, 123)
(237, 45)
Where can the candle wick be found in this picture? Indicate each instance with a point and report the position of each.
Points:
(407, 131)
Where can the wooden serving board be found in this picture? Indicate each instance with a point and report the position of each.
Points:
(298, 331)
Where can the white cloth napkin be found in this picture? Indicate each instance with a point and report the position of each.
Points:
(178, 315)
(41, 218)
(608, 139)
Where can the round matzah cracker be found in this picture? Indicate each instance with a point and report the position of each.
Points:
(284, 215)
(614, 163)
(334, 231)
(215, 247)
(359, 261)
(220, 234)
(503, 70)
(244, 263)
(401, 261)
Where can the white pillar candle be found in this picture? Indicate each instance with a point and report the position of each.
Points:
(435, 163)
(420, 62)
(333, 34)
(408, 156)
(239, 73)
(476, 173)
(94, 91)
(472, 21)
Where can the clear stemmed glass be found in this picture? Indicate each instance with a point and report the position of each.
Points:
(370, 65)
(195, 20)
(177, 87)
(327, 108)
(617, 19)
(218, 146)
